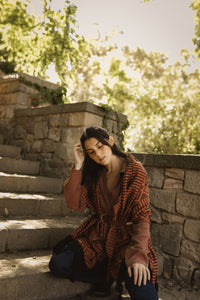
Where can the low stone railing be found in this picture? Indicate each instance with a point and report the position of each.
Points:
(174, 182)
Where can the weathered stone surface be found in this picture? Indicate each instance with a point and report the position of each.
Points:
(173, 184)
(168, 267)
(163, 199)
(19, 166)
(58, 120)
(175, 173)
(19, 132)
(160, 259)
(167, 237)
(10, 151)
(192, 180)
(56, 163)
(155, 215)
(190, 250)
(50, 146)
(172, 218)
(30, 184)
(41, 130)
(196, 280)
(36, 146)
(183, 269)
(54, 134)
(71, 135)
(156, 177)
(84, 119)
(192, 230)
(3, 239)
(188, 205)
(62, 151)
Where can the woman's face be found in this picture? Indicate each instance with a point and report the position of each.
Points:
(99, 152)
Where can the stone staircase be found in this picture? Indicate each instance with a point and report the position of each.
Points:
(33, 218)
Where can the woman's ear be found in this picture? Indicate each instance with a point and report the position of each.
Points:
(111, 140)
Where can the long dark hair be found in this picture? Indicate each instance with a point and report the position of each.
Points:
(92, 170)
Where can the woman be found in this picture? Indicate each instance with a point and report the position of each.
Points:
(114, 243)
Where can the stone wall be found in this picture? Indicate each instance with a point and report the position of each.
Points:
(16, 95)
(48, 133)
(174, 182)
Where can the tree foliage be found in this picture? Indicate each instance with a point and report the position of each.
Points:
(160, 100)
(31, 44)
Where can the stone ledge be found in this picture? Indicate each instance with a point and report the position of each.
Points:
(181, 161)
(15, 77)
(69, 108)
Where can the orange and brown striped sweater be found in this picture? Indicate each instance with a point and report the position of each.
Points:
(117, 231)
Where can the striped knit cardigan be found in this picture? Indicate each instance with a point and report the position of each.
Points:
(131, 208)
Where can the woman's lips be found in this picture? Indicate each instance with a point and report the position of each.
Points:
(101, 159)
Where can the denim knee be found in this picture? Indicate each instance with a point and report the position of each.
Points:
(60, 264)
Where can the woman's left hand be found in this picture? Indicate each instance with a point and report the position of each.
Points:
(140, 273)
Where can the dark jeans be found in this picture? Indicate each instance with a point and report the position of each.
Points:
(61, 266)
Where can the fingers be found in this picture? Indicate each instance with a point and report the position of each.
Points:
(140, 272)
(78, 156)
(129, 271)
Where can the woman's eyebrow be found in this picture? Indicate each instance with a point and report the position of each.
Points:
(91, 148)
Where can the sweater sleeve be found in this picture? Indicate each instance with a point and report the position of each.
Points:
(137, 251)
(72, 190)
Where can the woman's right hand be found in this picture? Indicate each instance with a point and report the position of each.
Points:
(78, 156)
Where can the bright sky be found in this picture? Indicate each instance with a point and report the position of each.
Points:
(158, 25)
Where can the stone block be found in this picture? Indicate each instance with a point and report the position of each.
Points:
(163, 199)
(72, 135)
(49, 146)
(173, 184)
(26, 238)
(172, 218)
(8, 287)
(192, 230)
(175, 173)
(58, 120)
(190, 250)
(84, 119)
(41, 130)
(156, 177)
(19, 132)
(188, 205)
(192, 180)
(183, 269)
(54, 134)
(56, 163)
(36, 146)
(160, 259)
(155, 215)
(167, 237)
(168, 267)
(61, 151)
(3, 238)
(18, 207)
(196, 278)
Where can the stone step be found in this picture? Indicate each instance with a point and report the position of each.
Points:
(26, 276)
(35, 205)
(29, 184)
(19, 166)
(2, 139)
(10, 151)
(29, 234)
